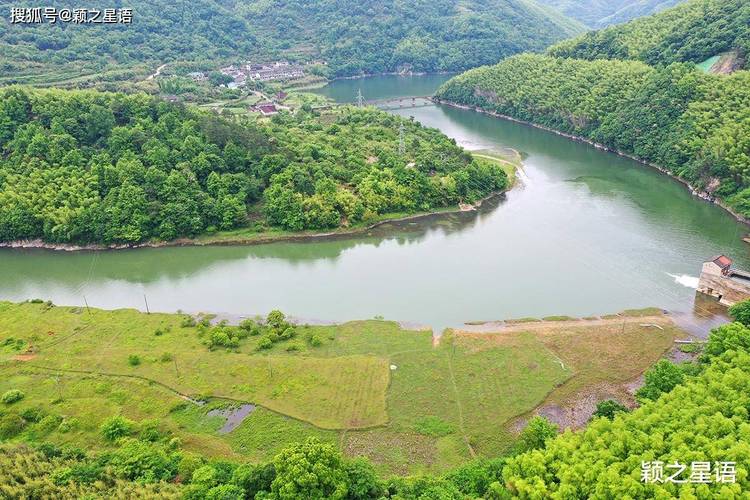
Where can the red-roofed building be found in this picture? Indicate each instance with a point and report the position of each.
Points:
(720, 281)
(267, 109)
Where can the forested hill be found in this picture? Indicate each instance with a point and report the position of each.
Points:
(600, 13)
(353, 36)
(690, 32)
(695, 125)
(85, 166)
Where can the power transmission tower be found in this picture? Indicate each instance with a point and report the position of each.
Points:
(360, 98)
(401, 143)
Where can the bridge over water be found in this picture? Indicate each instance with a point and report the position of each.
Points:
(402, 102)
(389, 104)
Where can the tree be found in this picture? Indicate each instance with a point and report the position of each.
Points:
(662, 377)
(534, 436)
(311, 470)
(741, 312)
(734, 336)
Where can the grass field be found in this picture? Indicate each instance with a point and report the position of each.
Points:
(371, 388)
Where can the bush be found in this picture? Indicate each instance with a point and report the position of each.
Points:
(11, 425)
(187, 322)
(12, 396)
(264, 343)
(33, 415)
(294, 347)
(116, 427)
(315, 341)
(166, 357)
(609, 408)
(134, 360)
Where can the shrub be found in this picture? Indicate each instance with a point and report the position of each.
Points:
(12, 396)
(609, 408)
(134, 360)
(315, 341)
(294, 347)
(33, 415)
(166, 357)
(11, 425)
(187, 321)
(264, 343)
(116, 427)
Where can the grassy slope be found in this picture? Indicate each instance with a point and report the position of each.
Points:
(443, 402)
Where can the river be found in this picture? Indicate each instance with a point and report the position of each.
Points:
(586, 233)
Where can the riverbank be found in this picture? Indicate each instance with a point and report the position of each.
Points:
(703, 195)
(245, 236)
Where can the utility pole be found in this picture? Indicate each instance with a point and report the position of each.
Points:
(401, 143)
(146, 301)
(87, 305)
(360, 98)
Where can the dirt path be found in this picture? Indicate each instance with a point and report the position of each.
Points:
(460, 408)
(536, 326)
(157, 72)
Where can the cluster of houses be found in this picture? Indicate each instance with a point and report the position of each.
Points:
(279, 70)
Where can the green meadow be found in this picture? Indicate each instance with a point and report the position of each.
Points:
(370, 387)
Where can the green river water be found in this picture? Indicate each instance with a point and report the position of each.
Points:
(586, 232)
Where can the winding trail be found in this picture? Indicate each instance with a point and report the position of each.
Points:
(157, 72)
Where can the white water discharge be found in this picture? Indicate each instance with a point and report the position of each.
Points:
(685, 280)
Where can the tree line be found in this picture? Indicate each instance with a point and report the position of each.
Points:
(696, 126)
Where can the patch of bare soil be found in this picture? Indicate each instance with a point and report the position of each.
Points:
(575, 412)
(24, 357)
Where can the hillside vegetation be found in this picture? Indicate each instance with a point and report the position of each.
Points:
(140, 440)
(81, 166)
(696, 126)
(600, 13)
(353, 37)
(689, 32)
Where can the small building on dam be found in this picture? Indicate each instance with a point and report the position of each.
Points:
(719, 280)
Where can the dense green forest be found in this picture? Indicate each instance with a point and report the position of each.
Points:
(83, 166)
(693, 412)
(695, 125)
(693, 31)
(600, 13)
(354, 37)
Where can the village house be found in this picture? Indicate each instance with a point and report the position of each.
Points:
(719, 280)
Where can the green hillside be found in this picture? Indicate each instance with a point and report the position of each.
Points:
(600, 13)
(696, 126)
(693, 31)
(354, 37)
(87, 166)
